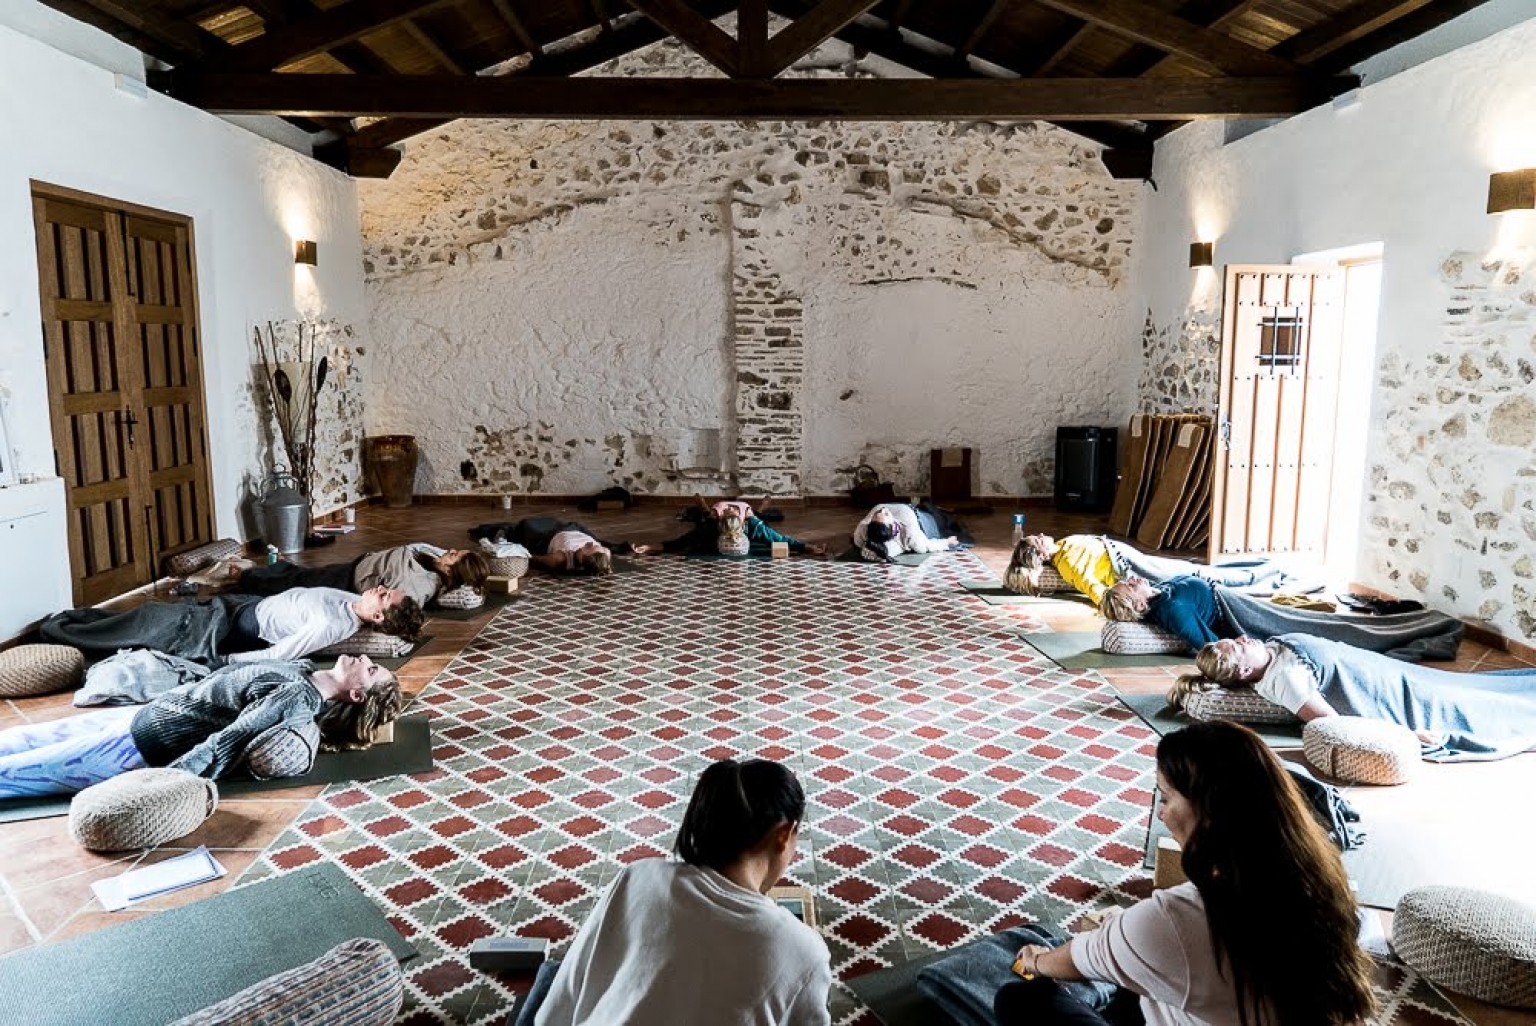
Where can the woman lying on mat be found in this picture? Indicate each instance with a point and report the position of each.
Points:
(238, 628)
(728, 516)
(892, 528)
(204, 727)
(1200, 612)
(560, 545)
(419, 570)
(1459, 717)
(1092, 563)
(1262, 933)
(699, 940)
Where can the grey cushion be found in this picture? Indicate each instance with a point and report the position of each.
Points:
(1470, 941)
(141, 809)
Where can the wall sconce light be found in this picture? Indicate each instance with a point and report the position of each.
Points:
(1512, 190)
(1202, 254)
(304, 252)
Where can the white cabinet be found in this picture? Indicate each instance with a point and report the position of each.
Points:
(34, 555)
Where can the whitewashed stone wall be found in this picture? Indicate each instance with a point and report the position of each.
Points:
(1179, 364)
(1453, 495)
(558, 306)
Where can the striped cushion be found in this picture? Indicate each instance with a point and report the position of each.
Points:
(191, 561)
(356, 983)
(368, 642)
(463, 597)
(1051, 582)
(1130, 637)
(283, 752)
(1242, 705)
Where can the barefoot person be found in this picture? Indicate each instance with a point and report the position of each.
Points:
(560, 545)
(421, 571)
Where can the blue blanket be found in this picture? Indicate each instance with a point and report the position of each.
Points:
(1407, 636)
(1481, 716)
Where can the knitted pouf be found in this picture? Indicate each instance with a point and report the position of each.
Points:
(1469, 941)
(39, 669)
(1358, 750)
(1132, 637)
(141, 809)
(462, 597)
(193, 560)
(1241, 705)
(283, 751)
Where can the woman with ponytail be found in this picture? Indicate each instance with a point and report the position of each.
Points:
(697, 940)
(1262, 934)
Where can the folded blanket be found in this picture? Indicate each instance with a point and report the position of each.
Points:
(1410, 637)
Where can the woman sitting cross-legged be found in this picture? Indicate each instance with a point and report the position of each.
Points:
(1093, 563)
(238, 628)
(1262, 934)
(419, 570)
(893, 528)
(699, 940)
(560, 545)
(204, 727)
(727, 517)
(1200, 612)
(1459, 717)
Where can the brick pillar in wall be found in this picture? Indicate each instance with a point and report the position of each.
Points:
(770, 362)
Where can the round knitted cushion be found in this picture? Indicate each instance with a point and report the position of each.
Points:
(1358, 750)
(508, 566)
(283, 751)
(39, 669)
(193, 560)
(462, 597)
(141, 809)
(1132, 637)
(1242, 705)
(1469, 941)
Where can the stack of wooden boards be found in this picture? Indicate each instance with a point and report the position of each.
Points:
(1164, 498)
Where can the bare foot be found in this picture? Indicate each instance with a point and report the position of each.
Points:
(640, 550)
(816, 549)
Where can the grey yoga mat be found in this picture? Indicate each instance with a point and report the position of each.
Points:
(1080, 650)
(994, 594)
(157, 968)
(1155, 711)
(409, 752)
(893, 996)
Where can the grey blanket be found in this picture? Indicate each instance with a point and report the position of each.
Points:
(191, 630)
(1410, 637)
(135, 678)
(1251, 574)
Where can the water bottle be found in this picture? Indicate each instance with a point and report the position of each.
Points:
(1018, 528)
(271, 555)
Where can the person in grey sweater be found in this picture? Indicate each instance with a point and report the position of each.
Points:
(204, 727)
(420, 570)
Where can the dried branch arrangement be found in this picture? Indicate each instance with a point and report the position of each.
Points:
(294, 407)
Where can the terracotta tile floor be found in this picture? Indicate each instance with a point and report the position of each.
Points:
(528, 828)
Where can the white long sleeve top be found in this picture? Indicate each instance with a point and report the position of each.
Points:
(300, 621)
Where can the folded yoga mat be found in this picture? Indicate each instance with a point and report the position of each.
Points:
(994, 594)
(1163, 719)
(893, 996)
(157, 968)
(409, 752)
(1079, 650)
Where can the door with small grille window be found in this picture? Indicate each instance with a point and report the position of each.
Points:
(125, 385)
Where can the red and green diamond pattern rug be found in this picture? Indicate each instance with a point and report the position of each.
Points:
(957, 783)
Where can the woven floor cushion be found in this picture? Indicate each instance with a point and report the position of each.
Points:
(39, 670)
(462, 597)
(141, 809)
(1051, 582)
(368, 642)
(1130, 637)
(191, 561)
(1469, 941)
(356, 983)
(508, 566)
(1241, 705)
(1358, 750)
(283, 752)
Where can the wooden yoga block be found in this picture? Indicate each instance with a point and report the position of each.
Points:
(781, 550)
(385, 734)
(501, 585)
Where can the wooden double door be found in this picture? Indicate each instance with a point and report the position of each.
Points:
(125, 386)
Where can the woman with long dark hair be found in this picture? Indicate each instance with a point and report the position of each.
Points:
(698, 940)
(1262, 934)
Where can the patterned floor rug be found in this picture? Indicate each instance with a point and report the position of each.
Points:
(958, 783)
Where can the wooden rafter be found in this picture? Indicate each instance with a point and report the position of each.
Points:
(965, 49)
(438, 96)
(1146, 24)
(1070, 40)
(162, 37)
(321, 32)
(810, 29)
(515, 24)
(1213, 15)
(600, 12)
(1396, 32)
(1350, 25)
(701, 35)
(752, 38)
(424, 39)
(898, 16)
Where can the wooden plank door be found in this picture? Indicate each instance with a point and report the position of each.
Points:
(125, 389)
(1282, 343)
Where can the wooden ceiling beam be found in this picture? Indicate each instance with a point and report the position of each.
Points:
(1348, 26)
(165, 38)
(1212, 14)
(811, 29)
(898, 16)
(1404, 28)
(1146, 24)
(1062, 49)
(518, 29)
(321, 32)
(965, 49)
(424, 39)
(697, 32)
(752, 38)
(439, 96)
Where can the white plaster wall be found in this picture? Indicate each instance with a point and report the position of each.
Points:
(1407, 166)
(63, 122)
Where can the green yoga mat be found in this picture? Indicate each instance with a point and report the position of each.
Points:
(893, 996)
(494, 602)
(905, 559)
(409, 752)
(1079, 650)
(1157, 714)
(157, 968)
(994, 594)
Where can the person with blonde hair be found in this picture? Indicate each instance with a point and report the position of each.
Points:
(1264, 931)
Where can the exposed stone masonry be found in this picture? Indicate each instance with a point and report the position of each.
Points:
(1179, 365)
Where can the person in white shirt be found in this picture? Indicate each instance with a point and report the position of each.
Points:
(304, 620)
(892, 528)
(698, 941)
(1262, 934)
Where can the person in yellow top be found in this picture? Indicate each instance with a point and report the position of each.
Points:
(1093, 563)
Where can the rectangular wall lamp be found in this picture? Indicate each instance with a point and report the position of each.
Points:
(1512, 190)
(304, 252)
(1202, 254)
